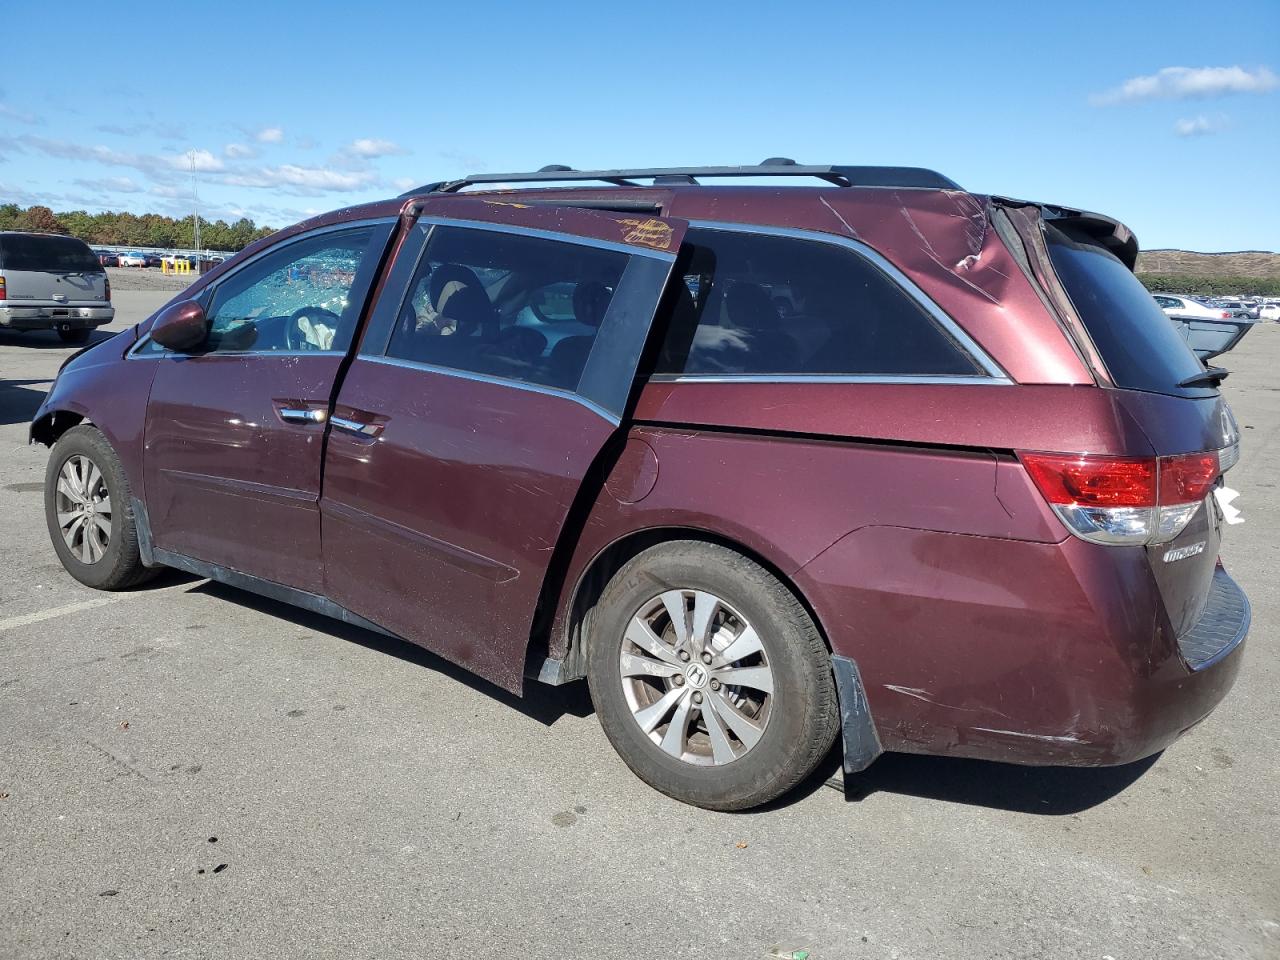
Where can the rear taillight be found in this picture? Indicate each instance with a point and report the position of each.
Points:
(1226, 314)
(106, 288)
(3, 295)
(1124, 500)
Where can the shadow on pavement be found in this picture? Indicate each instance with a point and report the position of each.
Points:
(542, 703)
(19, 399)
(47, 339)
(1047, 791)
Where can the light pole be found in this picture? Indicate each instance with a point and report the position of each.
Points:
(195, 205)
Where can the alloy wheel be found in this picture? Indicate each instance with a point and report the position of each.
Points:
(696, 677)
(83, 506)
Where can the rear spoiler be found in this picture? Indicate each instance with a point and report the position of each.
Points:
(1112, 234)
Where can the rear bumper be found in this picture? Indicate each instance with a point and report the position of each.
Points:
(54, 316)
(1034, 653)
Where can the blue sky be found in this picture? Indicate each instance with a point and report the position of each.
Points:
(1163, 114)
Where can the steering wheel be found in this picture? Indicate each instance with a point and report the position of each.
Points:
(293, 336)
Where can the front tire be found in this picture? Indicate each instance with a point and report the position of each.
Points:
(88, 509)
(709, 677)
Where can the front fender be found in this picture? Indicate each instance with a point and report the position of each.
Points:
(101, 386)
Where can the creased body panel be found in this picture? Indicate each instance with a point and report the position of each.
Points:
(787, 499)
(1008, 650)
(440, 528)
(1067, 418)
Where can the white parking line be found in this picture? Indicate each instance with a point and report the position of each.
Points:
(53, 612)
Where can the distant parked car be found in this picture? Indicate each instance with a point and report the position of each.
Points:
(1173, 304)
(151, 259)
(106, 258)
(1240, 308)
(1270, 310)
(49, 282)
(132, 259)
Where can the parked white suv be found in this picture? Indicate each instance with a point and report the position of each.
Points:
(51, 282)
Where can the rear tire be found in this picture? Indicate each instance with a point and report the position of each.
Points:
(77, 336)
(750, 633)
(89, 512)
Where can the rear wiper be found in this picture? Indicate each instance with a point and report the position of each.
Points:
(1211, 377)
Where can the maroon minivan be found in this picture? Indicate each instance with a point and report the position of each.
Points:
(763, 463)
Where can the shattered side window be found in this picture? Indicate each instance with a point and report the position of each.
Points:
(294, 299)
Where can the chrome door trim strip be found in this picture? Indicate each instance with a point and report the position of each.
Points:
(827, 378)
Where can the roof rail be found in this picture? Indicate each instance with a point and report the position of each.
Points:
(839, 175)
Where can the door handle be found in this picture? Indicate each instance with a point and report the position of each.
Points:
(301, 415)
(356, 427)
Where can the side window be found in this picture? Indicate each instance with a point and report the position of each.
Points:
(293, 299)
(759, 304)
(518, 307)
(1167, 302)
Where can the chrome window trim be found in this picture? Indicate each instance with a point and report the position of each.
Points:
(826, 378)
(995, 374)
(497, 381)
(232, 353)
(212, 288)
(557, 236)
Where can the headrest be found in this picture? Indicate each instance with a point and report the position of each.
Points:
(590, 301)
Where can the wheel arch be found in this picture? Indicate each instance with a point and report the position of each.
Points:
(570, 616)
(51, 425)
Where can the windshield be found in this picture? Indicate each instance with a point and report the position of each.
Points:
(1141, 348)
(40, 253)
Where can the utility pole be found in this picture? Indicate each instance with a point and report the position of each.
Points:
(195, 204)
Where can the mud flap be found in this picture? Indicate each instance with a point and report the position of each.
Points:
(861, 742)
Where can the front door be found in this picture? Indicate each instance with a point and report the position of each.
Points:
(235, 429)
(495, 370)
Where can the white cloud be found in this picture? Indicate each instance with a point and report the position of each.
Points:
(404, 183)
(66, 150)
(238, 151)
(1184, 83)
(1199, 126)
(303, 179)
(202, 161)
(13, 113)
(269, 135)
(111, 185)
(165, 130)
(169, 191)
(369, 148)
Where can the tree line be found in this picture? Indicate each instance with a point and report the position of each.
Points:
(133, 230)
(1221, 285)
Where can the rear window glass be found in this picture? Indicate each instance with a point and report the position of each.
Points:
(45, 253)
(1141, 348)
(768, 305)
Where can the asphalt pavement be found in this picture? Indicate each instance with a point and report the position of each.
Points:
(189, 771)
